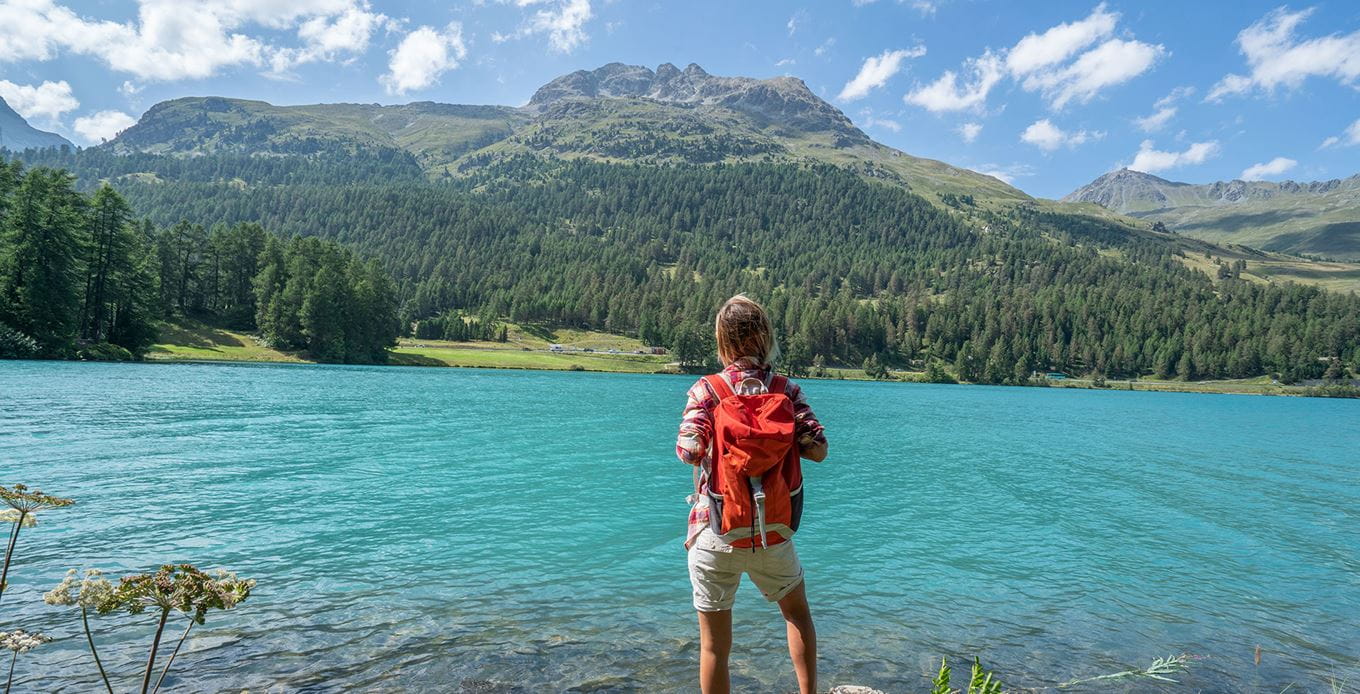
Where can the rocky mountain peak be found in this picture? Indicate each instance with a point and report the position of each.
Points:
(779, 101)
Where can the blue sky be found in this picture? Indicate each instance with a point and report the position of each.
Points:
(1048, 95)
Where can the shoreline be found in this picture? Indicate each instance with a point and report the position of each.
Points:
(426, 355)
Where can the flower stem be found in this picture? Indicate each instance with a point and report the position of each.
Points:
(151, 659)
(172, 657)
(10, 681)
(9, 551)
(85, 618)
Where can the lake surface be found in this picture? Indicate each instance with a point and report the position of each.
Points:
(514, 531)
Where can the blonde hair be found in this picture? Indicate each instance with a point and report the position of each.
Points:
(743, 329)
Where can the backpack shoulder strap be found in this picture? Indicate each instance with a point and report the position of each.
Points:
(720, 386)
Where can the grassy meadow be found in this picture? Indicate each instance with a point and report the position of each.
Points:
(528, 348)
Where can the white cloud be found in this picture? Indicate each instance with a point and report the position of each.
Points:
(1149, 160)
(1059, 62)
(1165, 110)
(421, 57)
(1006, 174)
(1049, 137)
(970, 131)
(329, 38)
(798, 18)
(129, 88)
(1274, 167)
(876, 71)
(563, 23)
(927, 8)
(1157, 120)
(103, 125)
(1060, 42)
(885, 123)
(47, 100)
(1174, 95)
(785, 61)
(826, 46)
(1351, 136)
(563, 27)
(945, 93)
(1113, 62)
(1278, 59)
(172, 40)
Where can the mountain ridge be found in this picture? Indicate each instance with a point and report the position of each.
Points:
(16, 134)
(616, 112)
(1314, 218)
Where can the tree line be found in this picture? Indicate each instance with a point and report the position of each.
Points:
(80, 277)
(850, 269)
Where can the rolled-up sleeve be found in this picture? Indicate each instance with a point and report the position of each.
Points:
(696, 426)
(806, 428)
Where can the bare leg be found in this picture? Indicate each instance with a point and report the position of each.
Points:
(715, 645)
(802, 638)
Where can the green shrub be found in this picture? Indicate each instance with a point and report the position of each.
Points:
(16, 345)
(104, 351)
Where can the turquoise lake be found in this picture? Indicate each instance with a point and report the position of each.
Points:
(514, 531)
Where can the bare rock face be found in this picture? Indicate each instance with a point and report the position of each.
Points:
(781, 101)
(1123, 189)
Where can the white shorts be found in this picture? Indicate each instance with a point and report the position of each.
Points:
(715, 570)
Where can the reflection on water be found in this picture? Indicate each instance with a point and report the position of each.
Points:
(499, 531)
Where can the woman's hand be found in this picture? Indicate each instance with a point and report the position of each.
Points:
(813, 450)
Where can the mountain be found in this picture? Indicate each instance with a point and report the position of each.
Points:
(16, 134)
(1317, 218)
(633, 201)
(614, 113)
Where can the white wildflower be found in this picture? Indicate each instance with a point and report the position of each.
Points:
(10, 515)
(93, 590)
(21, 641)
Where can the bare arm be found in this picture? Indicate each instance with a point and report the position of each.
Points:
(814, 451)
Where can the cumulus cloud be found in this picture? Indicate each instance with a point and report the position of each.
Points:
(1157, 120)
(422, 56)
(947, 94)
(47, 100)
(876, 71)
(969, 131)
(1277, 58)
(1061, 42)
(1274, 167)
(171, 40)
(103, 126)
(1049, 137)
(1070, 62)
(1113, 62)
(1351, 136)
(1149, 160)
(562, 21)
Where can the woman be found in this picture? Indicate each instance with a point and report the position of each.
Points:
(729, 535)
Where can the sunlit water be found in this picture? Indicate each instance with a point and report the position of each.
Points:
(504, 531)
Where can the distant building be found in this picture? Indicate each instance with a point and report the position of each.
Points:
(658, 350)
(1056, 376)
(554, 348)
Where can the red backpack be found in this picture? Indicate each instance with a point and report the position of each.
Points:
(756, 484)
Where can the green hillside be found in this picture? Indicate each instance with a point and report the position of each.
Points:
(1321, 218)
(616, 113)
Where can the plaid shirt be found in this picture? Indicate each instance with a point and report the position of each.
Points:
(693, 445)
